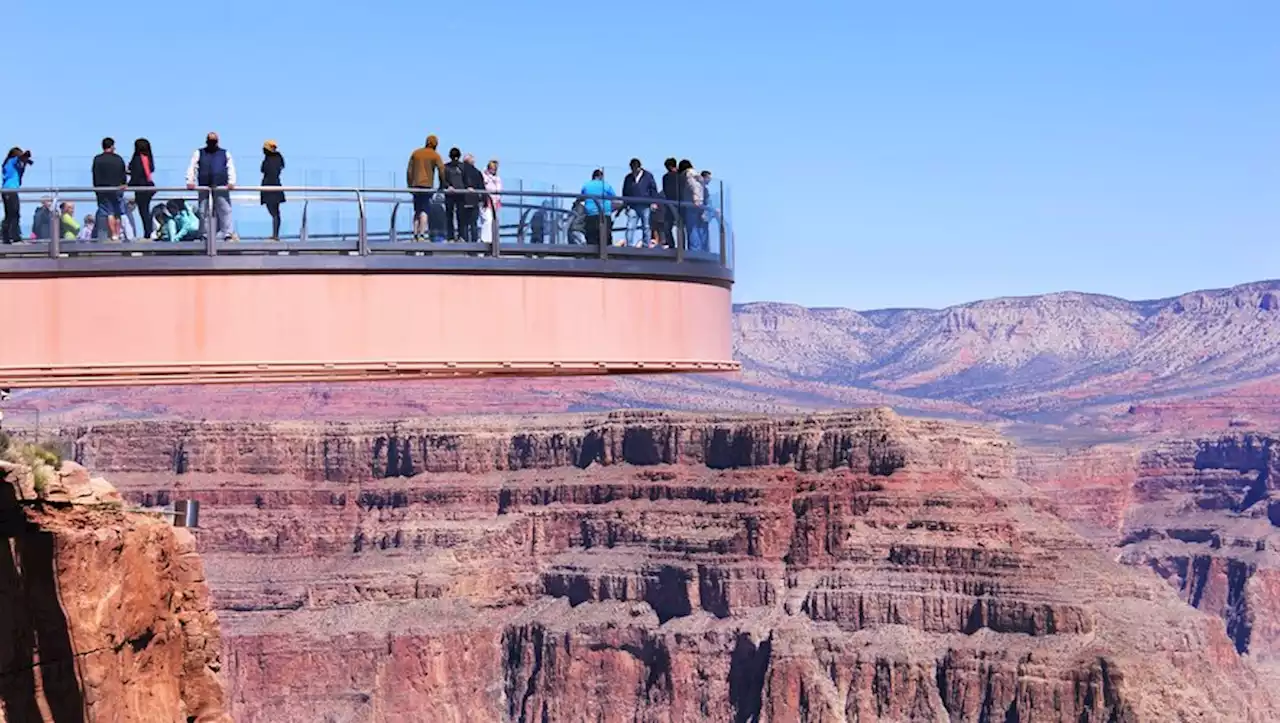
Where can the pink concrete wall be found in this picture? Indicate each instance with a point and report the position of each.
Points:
(303, 324)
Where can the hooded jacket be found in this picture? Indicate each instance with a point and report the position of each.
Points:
(12, 173)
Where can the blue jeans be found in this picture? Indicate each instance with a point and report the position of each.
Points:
(694, 230)
(638, 220)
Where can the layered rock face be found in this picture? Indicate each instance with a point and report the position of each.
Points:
(665, 567)
(1205, 515)
(104, 615)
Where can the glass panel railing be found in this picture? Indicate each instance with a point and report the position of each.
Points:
(540, 205)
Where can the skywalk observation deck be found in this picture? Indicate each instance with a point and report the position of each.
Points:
(362, 300)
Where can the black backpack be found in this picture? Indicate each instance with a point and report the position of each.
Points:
(454, 176)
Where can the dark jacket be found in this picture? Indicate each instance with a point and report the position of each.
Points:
(474, 180)
(141, 174)
(109, 171)
(40, 227)
(459, 175)
(272, 167)
(646, 187)
(671, 183)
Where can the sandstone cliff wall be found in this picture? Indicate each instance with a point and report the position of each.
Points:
(104, 615)
(666, 567)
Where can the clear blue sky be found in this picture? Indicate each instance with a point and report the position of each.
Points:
(886, 154)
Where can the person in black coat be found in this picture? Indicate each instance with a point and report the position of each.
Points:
(142, 170)
(470, 208)
(272, 167)
(665, 219)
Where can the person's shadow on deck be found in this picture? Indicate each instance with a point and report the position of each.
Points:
(32, 624)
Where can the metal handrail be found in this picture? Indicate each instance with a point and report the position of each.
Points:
(394, 196)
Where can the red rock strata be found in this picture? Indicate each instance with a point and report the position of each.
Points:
(666, 567)
(104, 614)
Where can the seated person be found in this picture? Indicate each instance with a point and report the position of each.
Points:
(175, 222)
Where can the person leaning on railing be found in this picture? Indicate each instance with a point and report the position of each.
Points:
(598, 222)
(425, 167)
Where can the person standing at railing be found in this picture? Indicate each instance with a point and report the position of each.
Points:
(469, 207)
(142, 169)
(639, 184)
(455, 180)
(492, 201)
(671, 182)
(710, 211)
(425, 168)
(599, 224)
(272, 167)
(15, 165)
(691, 201)
(109, 171)
(213, 167)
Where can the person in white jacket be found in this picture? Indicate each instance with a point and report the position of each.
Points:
(492, 202)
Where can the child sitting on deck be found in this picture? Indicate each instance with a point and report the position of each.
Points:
(175, 222)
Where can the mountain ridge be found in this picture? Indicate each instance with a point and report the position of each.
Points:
(1065, 358)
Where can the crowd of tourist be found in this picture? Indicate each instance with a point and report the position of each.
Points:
(452, 201)
(211, 167)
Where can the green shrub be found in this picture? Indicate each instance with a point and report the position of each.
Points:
(31, 453)
(42, 476)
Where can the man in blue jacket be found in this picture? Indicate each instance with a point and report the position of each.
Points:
(639, 184)
(599, 225)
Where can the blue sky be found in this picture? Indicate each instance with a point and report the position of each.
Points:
(887, 154)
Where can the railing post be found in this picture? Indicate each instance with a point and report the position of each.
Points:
(211, 221)
(495, 231)
(724, 240)
(602, 219)
(678, 230)
(302, 232)
(391, 235)
(55, 227)
(362, 235)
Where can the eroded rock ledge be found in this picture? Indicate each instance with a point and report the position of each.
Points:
(105, 615)
(667, 567)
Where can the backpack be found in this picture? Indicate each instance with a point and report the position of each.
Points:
(454, 176)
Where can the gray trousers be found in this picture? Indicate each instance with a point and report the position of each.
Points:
(222, 207)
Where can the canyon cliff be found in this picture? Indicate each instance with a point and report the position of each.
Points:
(1203, 513)
(105, 615)
(856, 566)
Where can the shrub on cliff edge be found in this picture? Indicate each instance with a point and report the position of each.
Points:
(30, 454)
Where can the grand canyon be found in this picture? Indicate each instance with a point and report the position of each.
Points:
(1056, 508)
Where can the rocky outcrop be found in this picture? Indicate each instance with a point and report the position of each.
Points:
(1202, 518)
(105, 615)
(666, 567)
